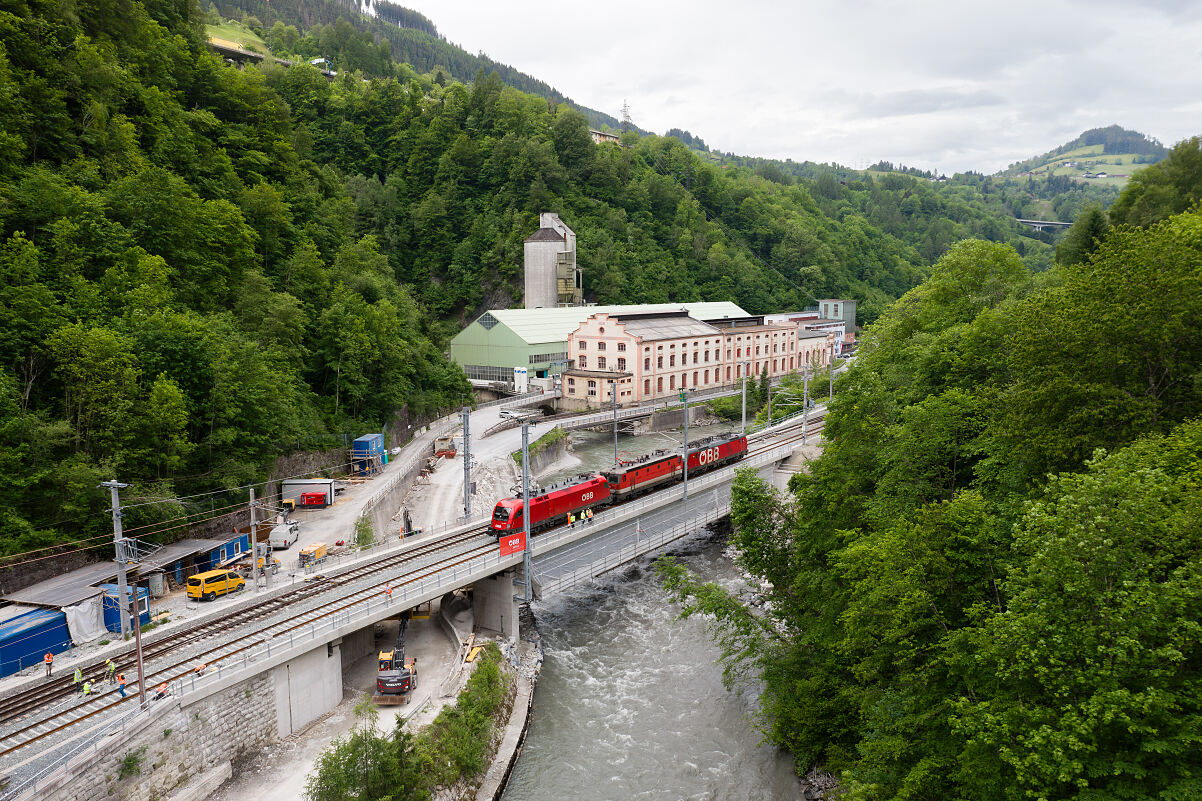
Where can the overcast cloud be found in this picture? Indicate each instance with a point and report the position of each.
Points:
(939, 85)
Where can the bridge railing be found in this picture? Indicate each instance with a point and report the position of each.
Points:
(644, 544)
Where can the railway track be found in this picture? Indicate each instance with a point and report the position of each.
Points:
(66, 708)
(62, 708)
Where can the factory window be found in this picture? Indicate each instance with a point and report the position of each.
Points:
(601, 345)
(621, 346)
(660, 362)
(707, 376)
(646, 386)
(707, 355)
(672, 360)
(695, 355)
(790, 362)
(603, 329)
(757, 350)
(671, 382)
(774, 365)
(774, 346)
(538, 358)
(739, 351)
(583, 345)
(728, 353)
(571, 382)
(478, 372)
(488, 321)
(659, 384)
(647, 363)
(694, 378)
(727, 373)
(622, 364)
(592, 388)
(600, 362)
(583, 362)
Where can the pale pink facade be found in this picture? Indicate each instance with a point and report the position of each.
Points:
(657, 355)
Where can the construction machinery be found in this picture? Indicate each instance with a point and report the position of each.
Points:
(396, 678)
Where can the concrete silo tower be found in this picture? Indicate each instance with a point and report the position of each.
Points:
(552, 278)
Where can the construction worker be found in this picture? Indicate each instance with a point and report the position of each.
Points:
(110, 670)
(87, 688)
(49, 660)
(589, 512)
(201, 668)
(571, 521)
(160, 691)
(78, 680)
(121, 684)
(388, 591)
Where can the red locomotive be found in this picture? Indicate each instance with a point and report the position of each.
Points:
(552, 505)
(658, 469)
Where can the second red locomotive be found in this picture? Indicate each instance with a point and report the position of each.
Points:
(552, 505)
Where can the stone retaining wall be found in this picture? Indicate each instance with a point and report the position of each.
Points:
(175, 745)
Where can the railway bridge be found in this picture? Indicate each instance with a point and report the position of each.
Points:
(275, 659)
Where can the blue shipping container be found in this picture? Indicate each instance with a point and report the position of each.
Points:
(209, 560)
(368, 445)
(367, 453)
(25, 639)
(112, 613)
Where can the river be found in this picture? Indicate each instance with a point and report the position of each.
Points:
(630, 703)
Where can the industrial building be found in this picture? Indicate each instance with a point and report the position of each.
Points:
(650, 355)
(552, 278)
(501, 342)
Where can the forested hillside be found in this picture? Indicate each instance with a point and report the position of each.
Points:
(987, 587)
(205, 268)
(408, 38)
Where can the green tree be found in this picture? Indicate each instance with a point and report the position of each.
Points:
(1157, 192)
(1083, 238)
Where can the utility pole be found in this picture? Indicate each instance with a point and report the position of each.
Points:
(805, 405)
(254, 545)
(743, 426)
(830, 371)
(142, 700)
(114, 486)
(614, 387)
(467, 463)
(684, 398)
(527, 568)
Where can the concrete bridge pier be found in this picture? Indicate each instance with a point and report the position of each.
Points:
(494, 605)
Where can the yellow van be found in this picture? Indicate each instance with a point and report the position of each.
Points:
(208, 586)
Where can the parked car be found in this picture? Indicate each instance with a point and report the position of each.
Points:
(207, 586)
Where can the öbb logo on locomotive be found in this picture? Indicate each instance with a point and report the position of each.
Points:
(552, 505)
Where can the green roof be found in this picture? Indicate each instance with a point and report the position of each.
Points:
(554, 325)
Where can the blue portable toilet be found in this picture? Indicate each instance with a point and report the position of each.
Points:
(27, 637)
(112, 612)
(367, 453)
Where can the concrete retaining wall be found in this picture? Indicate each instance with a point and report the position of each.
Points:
(307, 687)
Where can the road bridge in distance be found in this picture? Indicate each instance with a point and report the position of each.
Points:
(1040, 225)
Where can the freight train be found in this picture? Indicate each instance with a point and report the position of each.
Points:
(551, 505)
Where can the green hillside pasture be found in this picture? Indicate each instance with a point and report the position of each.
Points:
(234, 31)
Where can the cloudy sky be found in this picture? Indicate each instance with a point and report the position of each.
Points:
(951, 85)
